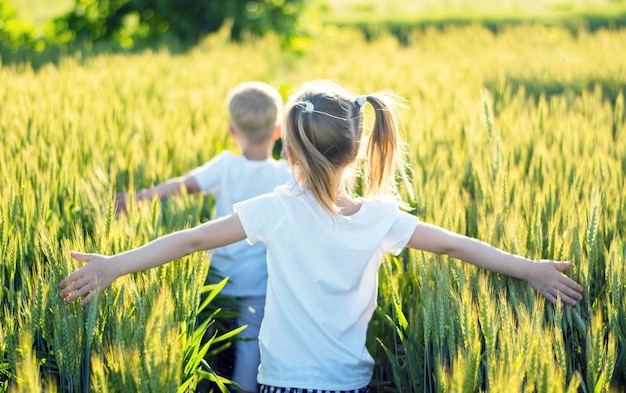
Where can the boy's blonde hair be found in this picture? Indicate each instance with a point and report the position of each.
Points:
(323, 127)
(254, 109)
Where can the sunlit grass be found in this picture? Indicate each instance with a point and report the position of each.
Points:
(514, 138)
(414, 12)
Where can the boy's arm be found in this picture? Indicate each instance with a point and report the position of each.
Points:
(101, 271)
(169, 188)
(544, 276)
(162, 191)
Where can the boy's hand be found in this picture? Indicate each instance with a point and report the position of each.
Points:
(546, 278)
(96, 275)
(120, 203)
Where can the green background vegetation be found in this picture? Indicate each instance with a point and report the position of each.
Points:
(515, 135)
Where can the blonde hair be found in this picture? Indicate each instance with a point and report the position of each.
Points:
(254, 109)
(324, 128)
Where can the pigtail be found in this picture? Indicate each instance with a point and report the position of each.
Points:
(318, 172)
(385, 149)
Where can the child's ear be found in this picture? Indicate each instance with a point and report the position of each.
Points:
(291, 158)
(276, 134)
(232, 132)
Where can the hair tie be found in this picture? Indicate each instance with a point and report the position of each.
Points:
(307, 106)
(361, 100)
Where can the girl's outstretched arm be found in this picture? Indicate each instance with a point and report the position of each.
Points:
(101, 271)
(544, 276)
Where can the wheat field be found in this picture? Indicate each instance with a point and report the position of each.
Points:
(516, 139)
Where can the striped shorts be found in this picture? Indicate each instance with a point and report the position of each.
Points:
(275, 389)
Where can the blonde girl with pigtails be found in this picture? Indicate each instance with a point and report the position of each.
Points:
(323, 157)
(324, 243)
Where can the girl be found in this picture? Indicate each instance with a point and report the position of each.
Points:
(324, 244)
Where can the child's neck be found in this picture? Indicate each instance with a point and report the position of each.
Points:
(257, 152)
(347, 205)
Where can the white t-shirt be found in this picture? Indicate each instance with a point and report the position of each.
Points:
(322, 285)
(233, 178)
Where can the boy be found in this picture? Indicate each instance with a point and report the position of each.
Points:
(254, 109)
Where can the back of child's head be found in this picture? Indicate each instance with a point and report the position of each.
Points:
(324, 128)
(254, 109)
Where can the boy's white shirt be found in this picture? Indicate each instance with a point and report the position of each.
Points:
(322, 285)
(233, 178)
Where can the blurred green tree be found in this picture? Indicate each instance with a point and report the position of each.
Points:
(127, 21)
(13, 31)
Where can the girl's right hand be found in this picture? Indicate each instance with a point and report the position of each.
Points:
(96, 275)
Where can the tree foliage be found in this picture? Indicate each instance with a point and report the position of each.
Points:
(13, 31)
(127, 21)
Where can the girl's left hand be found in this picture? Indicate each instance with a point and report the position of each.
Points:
(546, 278)
(93, 277)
